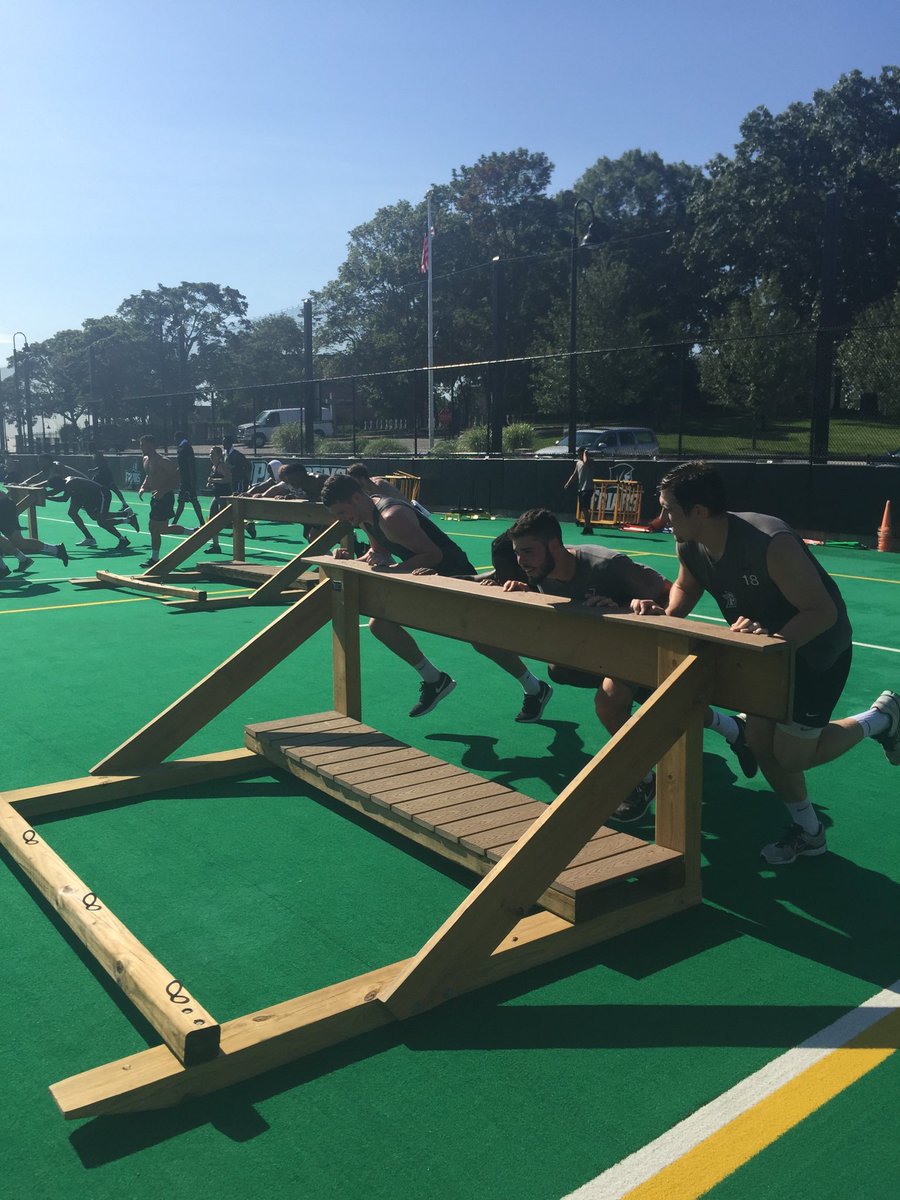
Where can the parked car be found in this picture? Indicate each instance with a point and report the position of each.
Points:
(891, 459)
(613, 441)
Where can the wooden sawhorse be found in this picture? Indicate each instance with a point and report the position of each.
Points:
(494, 933)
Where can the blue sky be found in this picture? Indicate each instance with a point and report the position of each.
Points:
(239, 143)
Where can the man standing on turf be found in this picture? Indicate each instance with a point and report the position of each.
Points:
(766, 582)
(160, 479)
(187, 472)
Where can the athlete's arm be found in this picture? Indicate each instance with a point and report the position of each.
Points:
(683, 595)
(402, 527)
(795, 576)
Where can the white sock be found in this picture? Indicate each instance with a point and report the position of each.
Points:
(872, 722)
(428, 671)
(531, 685)
(805, 816)
(726, 726)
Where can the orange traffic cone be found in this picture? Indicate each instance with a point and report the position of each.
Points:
(885, 533)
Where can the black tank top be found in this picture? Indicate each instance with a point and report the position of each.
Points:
(453, 561)
(741, 585)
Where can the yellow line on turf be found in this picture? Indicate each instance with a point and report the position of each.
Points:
(719, 1138)
(6, 612)
(737, 1142)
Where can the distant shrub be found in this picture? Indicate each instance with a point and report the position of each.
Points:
(377, 447)
(288, 438)
(518, 435)
(331, 446)
(473, 440)
(444, 448)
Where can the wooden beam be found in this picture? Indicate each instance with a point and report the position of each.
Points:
(750, 674)
(282, 1033)
(189, 1031)
(493, 907)
(329, 537)
(72, 794)
(345, 643)
(213, 694)
(190, 545)
(152, 587)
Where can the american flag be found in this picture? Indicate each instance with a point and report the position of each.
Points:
(423, 266)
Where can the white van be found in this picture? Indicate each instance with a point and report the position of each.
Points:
(258, 433)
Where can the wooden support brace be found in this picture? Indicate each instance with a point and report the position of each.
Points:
(73, 794)
(152, 587)
(469, 935)
(329, 537)
(280, 1034)
(189, 1031)
(190, 545)
(345, 625)
(182, 719)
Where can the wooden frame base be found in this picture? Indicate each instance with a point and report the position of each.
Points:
(488, 937)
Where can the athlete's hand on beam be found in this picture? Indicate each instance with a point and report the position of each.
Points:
(647, 608)
(747, 625)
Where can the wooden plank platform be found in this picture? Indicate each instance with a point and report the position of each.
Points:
(461, 816)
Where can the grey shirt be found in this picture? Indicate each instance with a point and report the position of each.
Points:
(600, 571)
(740, 583)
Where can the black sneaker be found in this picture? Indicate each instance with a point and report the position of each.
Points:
(793, 843)
(431, 694)
(4, 569)
(123, 543)
(24, 564)
(533, 706)
(251, 529)
(133, 522)
(742, 752)
(637, 805)
(151, 562)
(62, 554)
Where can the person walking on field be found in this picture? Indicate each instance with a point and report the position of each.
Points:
(220, 482)
(583, 476)
(160, 480)
(187, 472)
(766, 582)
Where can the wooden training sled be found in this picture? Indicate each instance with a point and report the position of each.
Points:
(592, 883)
(28, 500)
(270, 584)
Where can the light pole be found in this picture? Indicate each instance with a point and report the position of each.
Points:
(597, 235)
(25, 423)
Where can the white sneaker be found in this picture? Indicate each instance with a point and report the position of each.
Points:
(889, 704)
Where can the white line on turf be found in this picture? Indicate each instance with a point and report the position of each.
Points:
(641, 1166)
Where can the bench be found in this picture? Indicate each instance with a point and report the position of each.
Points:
(470, 820)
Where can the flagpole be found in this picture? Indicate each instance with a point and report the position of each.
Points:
(430, 335)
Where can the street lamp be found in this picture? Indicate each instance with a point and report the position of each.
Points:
(25, 420)
(597, 235)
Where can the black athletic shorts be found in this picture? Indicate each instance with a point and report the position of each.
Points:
(816, 693)
(99, 508)
(9, 518)
(162, 508)
(584, 679)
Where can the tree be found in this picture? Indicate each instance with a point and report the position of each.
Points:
(257, 366)
(183, 325)
(761, 213)
(759, 357)
(869, 359)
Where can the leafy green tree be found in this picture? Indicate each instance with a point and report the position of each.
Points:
(869, 359)
(761, 213)
(256, 366)
(182, 327)
(759, 357)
